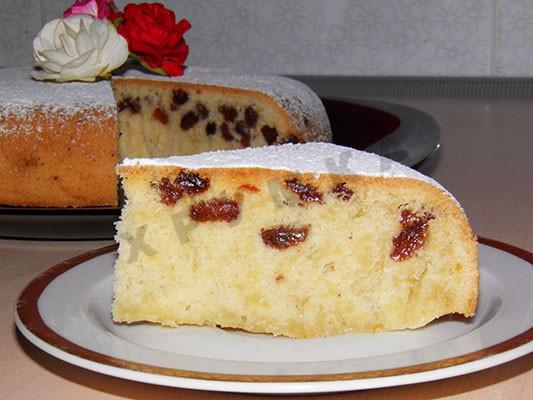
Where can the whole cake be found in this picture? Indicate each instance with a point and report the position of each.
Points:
(300, 240)
(60, 143)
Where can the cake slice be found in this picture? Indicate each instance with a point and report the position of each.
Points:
(299, 240)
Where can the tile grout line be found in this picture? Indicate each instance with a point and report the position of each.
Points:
(41, 12)
(494, 29)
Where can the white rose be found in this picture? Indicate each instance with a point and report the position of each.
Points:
(78, 48)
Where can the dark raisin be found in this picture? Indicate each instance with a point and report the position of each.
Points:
(306, 121)
(226, 134)
(186, 182)
(134, 105)
(283, 237)
(214, 210)
(270, 134)
(160, 115)
(306, 193)
(211, 128)
(415, 229)
(179, 97)
(202, 110)
(242, 129)
(122, 105)
(342, 192)
(245, 141)
(229, 112)
(168, 192)
(189, 120)
(191, 182)
(251, 116)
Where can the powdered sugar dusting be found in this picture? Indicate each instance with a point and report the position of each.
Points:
(301, 103)
(21, 95)
(317, 158)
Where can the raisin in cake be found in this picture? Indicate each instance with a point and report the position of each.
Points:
(299, 240)
(59, 142)
(212, 109)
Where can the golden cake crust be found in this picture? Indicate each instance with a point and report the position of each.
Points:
(67, 160)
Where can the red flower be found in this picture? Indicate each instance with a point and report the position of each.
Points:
(97, 8)
(154, 37)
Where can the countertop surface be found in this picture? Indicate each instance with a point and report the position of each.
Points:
(485, 160)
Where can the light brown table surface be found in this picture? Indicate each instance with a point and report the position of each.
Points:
(486, 160)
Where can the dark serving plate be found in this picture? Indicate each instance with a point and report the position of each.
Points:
(401, 133)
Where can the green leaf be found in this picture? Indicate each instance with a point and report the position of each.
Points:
(159, 71)
(118, 21)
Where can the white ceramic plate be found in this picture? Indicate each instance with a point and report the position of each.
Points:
(66, 312)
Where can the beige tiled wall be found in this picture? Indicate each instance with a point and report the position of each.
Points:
(351, 37)
(20, 21)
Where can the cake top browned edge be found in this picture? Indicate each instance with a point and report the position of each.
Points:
(295, 97)
(315, 157)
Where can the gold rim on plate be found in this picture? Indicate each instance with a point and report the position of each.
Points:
(28, 313)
